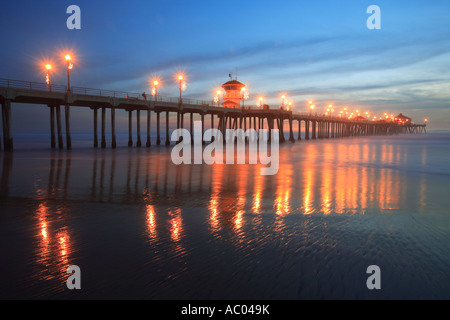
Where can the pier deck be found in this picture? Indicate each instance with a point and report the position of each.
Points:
(314, 126)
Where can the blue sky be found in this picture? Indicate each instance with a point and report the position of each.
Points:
(320, 50)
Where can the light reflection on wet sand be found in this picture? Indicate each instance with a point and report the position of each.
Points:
(228, 203)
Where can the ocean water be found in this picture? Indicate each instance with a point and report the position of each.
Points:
(140, 227)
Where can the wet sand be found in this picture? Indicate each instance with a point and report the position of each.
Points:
(140, 227)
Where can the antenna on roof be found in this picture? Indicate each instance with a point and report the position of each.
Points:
(230, 76)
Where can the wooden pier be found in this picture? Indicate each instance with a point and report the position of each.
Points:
(313, 126)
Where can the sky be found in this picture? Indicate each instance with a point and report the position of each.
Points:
(306, 50)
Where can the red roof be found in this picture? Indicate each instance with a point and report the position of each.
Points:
(401, 116)
(233, 83)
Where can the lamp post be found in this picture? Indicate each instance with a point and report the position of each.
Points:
(260, 101)
(47, 78)
(218, 97)
(311, 106)
(283, 97)
(243, 96)
(155, 90)
(289, 106)
(180, 77)
(69, 67)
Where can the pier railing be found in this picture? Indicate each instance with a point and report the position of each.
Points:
(38, 86)
(98, 92)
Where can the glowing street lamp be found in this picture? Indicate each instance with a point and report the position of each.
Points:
(69, 67)
(180, 78)
(260, 101)
(217, 97)
(47, 78)
(311, 107)
(244, 96)
(155, 89)
(289, 106)
(283, 97)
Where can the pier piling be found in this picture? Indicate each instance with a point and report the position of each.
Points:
(148, 128)
(167, 129)
(95, 128)
(68, 135)
(130, 128)
(158, 135)
(52, 127)
(113, 128)
(7, 133)
(138, 128)
(103, 128)
(59, 127)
